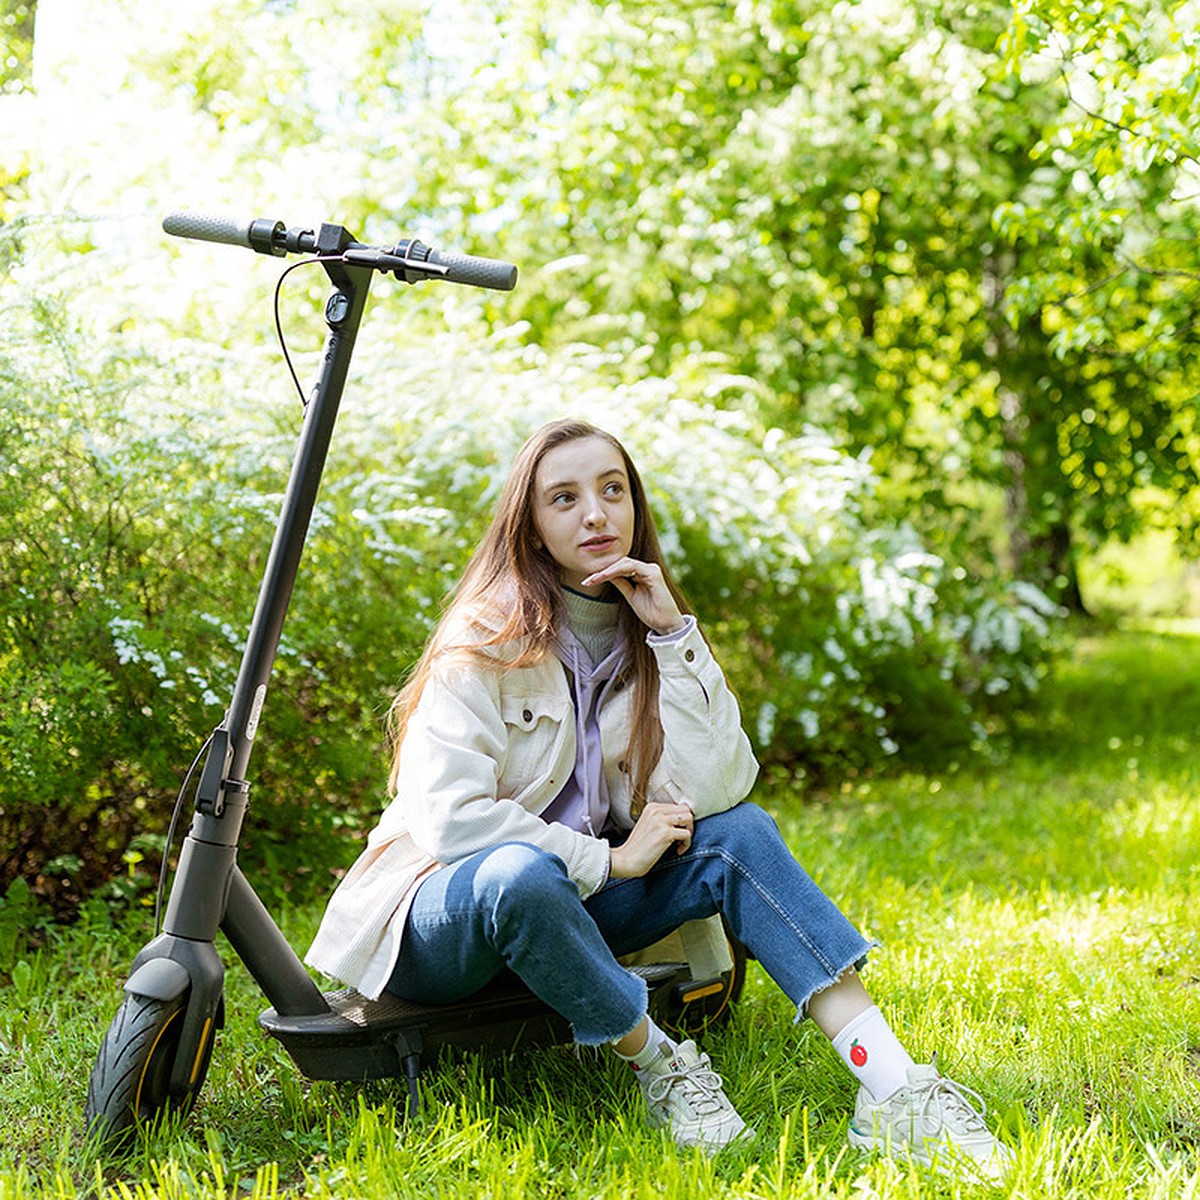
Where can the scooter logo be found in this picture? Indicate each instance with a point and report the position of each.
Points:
(858, 1053)
(256, 707)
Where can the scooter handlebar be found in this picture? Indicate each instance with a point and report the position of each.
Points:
(473, 271)
(409, 259)
(208, 229)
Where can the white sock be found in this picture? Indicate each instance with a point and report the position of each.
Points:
(874, 1054)
(658, 1050)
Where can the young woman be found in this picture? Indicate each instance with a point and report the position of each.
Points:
(569, 786)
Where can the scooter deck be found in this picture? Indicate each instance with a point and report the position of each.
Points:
(360, 1039)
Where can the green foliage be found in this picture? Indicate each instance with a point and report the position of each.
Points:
(16, 44)
(951, 247)
(958, 236)
(20, 916)
(129, 556)
(861, 207)
(830, 621)
(16, 62)
(1112, 267)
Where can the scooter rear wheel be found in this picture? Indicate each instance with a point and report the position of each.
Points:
(130, 1082)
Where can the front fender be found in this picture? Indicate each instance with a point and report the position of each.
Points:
(159, 979)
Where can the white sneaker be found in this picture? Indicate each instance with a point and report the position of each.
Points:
(684, 1095)
(933, 1121)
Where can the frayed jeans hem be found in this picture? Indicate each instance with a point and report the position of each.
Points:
(590, 1038)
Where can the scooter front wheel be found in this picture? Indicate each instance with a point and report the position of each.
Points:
(130, 1083)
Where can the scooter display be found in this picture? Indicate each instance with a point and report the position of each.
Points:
(156, 1052)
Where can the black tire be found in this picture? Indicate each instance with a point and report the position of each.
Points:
(130, 1083)
(694, 1016)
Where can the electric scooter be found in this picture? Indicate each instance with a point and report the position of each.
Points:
(156, 1052)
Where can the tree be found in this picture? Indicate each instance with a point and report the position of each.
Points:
(1113, 277)
(721, 244)
(948, 234)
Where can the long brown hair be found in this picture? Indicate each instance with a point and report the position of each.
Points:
(508, 606)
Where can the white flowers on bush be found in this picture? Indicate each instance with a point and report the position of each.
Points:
(168, 669)
(1001, 631)
(824, 621)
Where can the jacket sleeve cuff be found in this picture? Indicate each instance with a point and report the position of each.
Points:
(665, 639)
(591, 866)
(683, 653)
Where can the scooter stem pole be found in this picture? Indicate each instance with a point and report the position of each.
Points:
(222, 795)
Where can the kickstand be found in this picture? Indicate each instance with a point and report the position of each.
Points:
(408, 1050)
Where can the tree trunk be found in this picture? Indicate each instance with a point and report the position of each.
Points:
(1054, 552)
(1040, 543)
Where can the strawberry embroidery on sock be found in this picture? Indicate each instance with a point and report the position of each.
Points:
(858, 1053)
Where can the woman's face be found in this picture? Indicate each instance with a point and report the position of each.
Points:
(582, 508)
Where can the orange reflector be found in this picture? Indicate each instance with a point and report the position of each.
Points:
(713, 989)
(200, 1049)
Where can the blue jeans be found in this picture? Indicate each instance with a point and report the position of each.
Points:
(514, 906)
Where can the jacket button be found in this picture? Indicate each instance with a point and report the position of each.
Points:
(689, 655)
(622, 767)
(527, 716)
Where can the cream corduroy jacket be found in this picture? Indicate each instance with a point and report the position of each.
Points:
(486, 751)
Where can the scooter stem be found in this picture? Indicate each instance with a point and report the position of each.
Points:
(224, 773)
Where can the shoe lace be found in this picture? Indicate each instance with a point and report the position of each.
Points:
(700, 1085)
(954, 1100)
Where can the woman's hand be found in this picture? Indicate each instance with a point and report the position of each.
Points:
(659, 826)
(644, 589)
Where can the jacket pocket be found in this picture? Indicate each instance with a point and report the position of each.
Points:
(539, 749)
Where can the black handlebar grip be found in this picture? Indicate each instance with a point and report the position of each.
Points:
(208, 229)
(475, 272)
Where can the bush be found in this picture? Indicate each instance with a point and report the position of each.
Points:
(137, 498)
(136, 510)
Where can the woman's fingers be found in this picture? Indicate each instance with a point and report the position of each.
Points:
(644, 589)
(659, 827)
(672, 823)
(638, 573)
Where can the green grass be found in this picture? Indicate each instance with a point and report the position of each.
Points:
(1040, 926)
